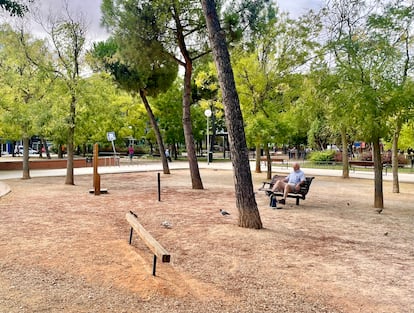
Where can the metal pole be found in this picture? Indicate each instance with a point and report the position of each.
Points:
(154, 265)
(159, 187)
(208, 144)
(130, 235)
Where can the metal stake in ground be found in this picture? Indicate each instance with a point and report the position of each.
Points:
(96, 176)
(159, 186)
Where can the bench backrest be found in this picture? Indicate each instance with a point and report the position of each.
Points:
(304, 188)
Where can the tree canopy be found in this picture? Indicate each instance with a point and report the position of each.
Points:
(14, 7)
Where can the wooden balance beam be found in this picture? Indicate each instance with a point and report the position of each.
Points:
(152, 244)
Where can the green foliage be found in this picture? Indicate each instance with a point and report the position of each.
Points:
(168, 106)
(134, 72)
(102, 108)
(206, 93)
(372, 61)
(150, 76)
(267, 80)
(406, 139)
(367, 90)
(23, 84)
(14, 7)
(322, 156)
(151, 27)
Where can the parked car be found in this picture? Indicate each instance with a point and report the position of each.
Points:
(19, 150)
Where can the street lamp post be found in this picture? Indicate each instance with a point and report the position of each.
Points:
(207, 113)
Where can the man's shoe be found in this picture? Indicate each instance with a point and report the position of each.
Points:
(282, 201)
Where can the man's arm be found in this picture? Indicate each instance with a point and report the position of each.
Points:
(302, 179)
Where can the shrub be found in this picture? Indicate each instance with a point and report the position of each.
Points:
(323, 156)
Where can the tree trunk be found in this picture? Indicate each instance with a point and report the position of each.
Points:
(188, 130)
(26, 169)
(345, 163)
(258, 167)
(395, 180)
(249, 216)
(376, 155)
(174, 151)
(40, 147)
(70, 179)
(166, 169)
(269, 163)
(44, 145)
(46, 149)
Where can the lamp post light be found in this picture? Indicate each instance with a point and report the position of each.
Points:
(207, 113)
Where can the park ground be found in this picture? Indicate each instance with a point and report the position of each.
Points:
(65, 250)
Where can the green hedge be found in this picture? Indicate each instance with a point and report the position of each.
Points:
(322, 156)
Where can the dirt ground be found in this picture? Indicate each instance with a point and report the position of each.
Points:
(65, 250)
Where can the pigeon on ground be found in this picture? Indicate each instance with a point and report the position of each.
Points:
(223, 212)
(166, 224)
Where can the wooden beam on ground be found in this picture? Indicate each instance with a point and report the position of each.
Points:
(152, 244)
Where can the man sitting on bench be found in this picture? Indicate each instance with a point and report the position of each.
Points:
(291, 183)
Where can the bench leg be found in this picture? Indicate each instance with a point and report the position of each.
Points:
(154, 265)
(297, 201)
(130, 235)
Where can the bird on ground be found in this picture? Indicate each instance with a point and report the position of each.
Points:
(223, 212)
(166, 224)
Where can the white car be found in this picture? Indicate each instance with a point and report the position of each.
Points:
(19, 150)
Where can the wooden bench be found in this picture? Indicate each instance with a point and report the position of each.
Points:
(280, 158)
(356, 163)
(152, 244)
(366, 164)
(301, 194)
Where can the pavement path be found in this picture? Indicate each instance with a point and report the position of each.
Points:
(144, 166)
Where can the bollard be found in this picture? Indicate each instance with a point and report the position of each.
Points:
(159, 187)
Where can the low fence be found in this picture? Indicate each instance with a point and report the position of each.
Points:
(36, 164)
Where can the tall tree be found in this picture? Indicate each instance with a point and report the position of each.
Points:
(68, 35)
(171, 25)
(371, 43)
(361, 57)
(146, 78)
(178, 26)
(24, 85)
(266, 75)
(333, 108)
(393, 26)
(249, 216)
